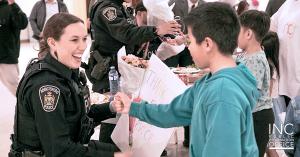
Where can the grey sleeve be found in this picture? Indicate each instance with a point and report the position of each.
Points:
(33, 20)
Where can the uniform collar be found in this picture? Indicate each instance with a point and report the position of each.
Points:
(61, 68)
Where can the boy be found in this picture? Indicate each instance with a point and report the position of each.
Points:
(254, 26)
(219, 106)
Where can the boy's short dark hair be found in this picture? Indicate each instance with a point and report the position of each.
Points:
(257, 21)
(217, 21)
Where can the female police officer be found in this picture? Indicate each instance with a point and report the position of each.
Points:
(52, 99)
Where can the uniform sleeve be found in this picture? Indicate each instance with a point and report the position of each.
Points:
(120, 29)
(224, 129)
(100, 112)
(258, 71)
(18, 17)
(49, 102)
(33, 20)
(177, 113)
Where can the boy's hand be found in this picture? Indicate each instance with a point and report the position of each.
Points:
(121, 103)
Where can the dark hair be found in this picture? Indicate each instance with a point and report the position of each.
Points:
(217, 21)
(257, 21)
(270, 45)
(54, 28)
(241, 7)
(140, 7)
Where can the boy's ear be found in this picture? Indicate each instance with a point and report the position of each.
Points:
(249, 34)
(208, 43)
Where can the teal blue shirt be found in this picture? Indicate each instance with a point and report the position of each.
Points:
(219, 109)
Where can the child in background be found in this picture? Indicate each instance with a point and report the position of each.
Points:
(270, 44)
(254, 26)
(242, 6)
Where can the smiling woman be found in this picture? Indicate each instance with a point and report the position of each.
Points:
(53, 105)
(65, 38)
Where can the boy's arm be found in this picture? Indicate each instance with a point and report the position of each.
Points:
(224, 125)
(177, 113)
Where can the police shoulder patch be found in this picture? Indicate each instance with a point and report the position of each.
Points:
(49, 96)
(110, 13)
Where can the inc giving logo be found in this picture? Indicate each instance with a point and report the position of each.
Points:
(281, 136)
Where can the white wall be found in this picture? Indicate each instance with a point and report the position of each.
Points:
(26, 5)
(77, 7)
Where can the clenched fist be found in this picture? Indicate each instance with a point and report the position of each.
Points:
(121, 103)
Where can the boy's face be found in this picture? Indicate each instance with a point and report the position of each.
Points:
(243, 38)
(198, 51)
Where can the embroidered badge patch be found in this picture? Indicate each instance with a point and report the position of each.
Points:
(49, 96)
(110, 13)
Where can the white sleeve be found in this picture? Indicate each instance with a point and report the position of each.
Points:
(274, 22)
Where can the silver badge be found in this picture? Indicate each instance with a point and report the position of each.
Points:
(49, 96)
(110, 13)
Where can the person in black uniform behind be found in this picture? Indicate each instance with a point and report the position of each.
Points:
(113, 28)
(53, 115)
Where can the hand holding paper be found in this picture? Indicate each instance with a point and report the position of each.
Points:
(121, 103)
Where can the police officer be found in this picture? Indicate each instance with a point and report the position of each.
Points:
(113, 28)
(53, 114)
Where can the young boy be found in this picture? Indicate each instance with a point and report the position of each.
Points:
(254, 26)
(219, 106)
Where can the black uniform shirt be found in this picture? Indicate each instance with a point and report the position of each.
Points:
(115, 28)
(51, 110)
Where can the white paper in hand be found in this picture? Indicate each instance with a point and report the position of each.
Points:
(166, 50)
(120, 135)
(160, 85)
